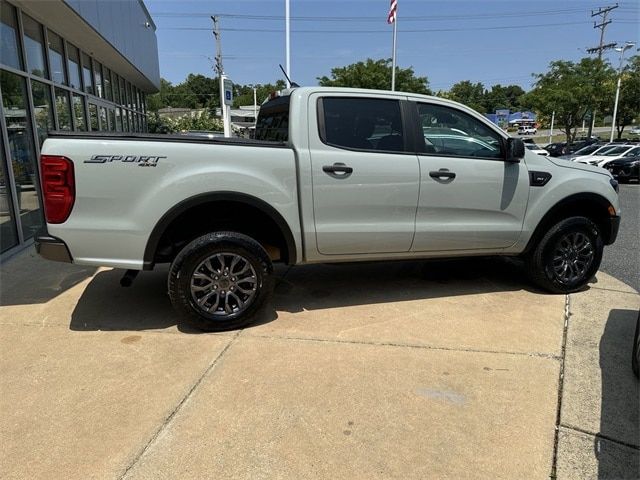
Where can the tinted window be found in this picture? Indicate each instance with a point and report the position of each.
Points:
(78, 112)
(362, 124)
(450, 132)
(10, 55)
(273, 120)
(22, 155)
(86, 73)
(56, 59)
(42, 109)
(63, 108)
(33, 44)
(74, 66)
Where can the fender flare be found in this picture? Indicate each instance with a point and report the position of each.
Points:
(177, 210)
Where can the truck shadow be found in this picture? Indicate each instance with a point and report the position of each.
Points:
(27, 279)
(104, 305)
(620, 407)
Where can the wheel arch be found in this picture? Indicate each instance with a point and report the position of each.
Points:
(593, 206)
(184, 207)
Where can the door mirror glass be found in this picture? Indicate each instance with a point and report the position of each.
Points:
(515, 150)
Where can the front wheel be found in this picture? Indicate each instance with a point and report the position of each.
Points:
(567, 257)
(220, 281)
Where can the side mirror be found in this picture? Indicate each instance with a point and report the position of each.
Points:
(515, 150)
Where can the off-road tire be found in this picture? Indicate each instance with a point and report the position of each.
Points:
(539, 261)
(198, 251)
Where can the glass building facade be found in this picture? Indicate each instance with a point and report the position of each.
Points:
(48, 83)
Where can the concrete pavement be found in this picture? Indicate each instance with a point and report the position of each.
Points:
(392, 370)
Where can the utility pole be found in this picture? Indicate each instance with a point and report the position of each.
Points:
(221, 77)
(627, 46)
(604, 13)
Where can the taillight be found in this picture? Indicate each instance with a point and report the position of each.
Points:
(58, 187)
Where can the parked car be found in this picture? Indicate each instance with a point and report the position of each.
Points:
(556, 149)
(527, 130)
(351, 178)
(619, 151)
(635, 130)
(625, 169)
(586, 150)
(536, 149)
(588, 155)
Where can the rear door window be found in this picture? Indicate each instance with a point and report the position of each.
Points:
(367, 124)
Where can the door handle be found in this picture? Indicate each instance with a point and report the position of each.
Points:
(337, 170)
(442, 173)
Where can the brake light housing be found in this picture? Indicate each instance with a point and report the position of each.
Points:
(58, 187)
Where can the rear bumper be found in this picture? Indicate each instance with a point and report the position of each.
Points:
(613, 225)
(53, 248)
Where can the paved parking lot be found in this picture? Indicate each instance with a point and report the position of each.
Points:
(392, 370)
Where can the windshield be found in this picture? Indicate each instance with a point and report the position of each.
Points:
(532, 146)
(587, 150)
(616, 151)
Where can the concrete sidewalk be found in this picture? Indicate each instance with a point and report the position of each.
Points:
(394, 370)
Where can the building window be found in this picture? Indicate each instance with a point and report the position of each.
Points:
(86, 73)
(107, 84)
(103, 119)
(56, 58)
(42, 109)
(125, 121)
(74, 67)
(115, 82)
(9, 37)
(118, 120)
(63, 109)
(112, 119)
(34, 46)
(93, 116)
(8, 230)
(130, 121)
(97, 76)
(128, 102)
(21, 150)
(79, 113)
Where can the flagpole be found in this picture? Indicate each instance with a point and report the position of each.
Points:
(393, 58)
(287, 41)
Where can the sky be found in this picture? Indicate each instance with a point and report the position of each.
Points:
(488, 41)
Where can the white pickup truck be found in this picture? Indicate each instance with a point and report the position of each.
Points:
(334, 175)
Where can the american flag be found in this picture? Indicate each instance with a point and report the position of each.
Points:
(393, 8)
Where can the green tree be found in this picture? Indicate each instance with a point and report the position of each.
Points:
(158, 124)
(205, 121)
(572, 90)
(162, 99)
(375, 74)
(629, 102)
(469, 94)
(243, 94)
(500, 97)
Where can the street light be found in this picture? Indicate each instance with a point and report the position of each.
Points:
(627, 46)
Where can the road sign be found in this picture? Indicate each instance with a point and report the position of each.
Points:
(228, 92)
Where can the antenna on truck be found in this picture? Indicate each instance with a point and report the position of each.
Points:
(293, 84)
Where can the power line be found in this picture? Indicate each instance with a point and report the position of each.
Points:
(357, 32)
(417, 18)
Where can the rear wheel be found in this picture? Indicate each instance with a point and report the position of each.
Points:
(220, 281)
(567, 257)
